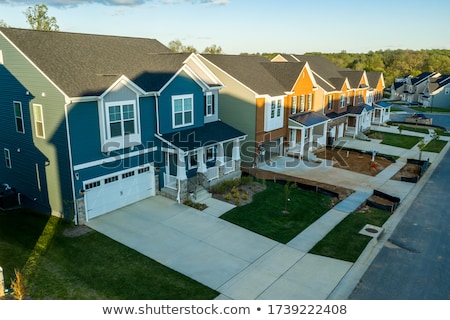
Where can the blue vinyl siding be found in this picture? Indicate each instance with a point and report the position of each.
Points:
(181, 85)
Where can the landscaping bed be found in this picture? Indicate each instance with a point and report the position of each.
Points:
(354, 160)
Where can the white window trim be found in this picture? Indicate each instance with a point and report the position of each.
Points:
(302, 103)
(343, 99)
(35, 121)
(209, 105)
(7, 155)
(182, 97)
(274, 113)
(21, 117)
(134, 138)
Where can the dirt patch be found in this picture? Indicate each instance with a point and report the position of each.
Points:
(353, 160)
(409, 170)
(76, 231)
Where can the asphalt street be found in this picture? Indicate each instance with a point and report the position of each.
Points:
(414, 264)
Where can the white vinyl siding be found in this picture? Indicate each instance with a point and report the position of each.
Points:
(274, 114)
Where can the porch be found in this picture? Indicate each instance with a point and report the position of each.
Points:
(307, 132)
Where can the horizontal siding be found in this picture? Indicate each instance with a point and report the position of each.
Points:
(51, 153)
(181, 85)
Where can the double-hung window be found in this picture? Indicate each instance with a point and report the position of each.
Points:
(272, 109)
(209, 104)
(342, 102)
(302, 103)
(330, 102)
(210, 153)
(18, 114)
(38, 121)
(7, 158)
(121, 119)
(294, 105)
(193, 160)
(182, 110)
(310, 97)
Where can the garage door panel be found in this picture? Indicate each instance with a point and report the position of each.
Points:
(113, 192)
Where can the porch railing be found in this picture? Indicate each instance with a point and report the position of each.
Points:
(229, 167)
(170, 181)
(212, 173)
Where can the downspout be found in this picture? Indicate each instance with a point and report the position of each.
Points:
(69, 145)
(157, 114)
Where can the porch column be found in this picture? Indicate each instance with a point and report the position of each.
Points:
(302, 140)
(236, 150)
(201, 165)
(310, 137)
(324, 135)
(220, 161)
(181, 166)
(356, 127)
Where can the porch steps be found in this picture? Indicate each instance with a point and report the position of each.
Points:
(200, 195)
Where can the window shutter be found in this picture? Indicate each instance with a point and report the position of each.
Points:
(213, 103)
(205, 107)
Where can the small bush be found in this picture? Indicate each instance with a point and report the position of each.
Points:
(18, 286)
(228, 196)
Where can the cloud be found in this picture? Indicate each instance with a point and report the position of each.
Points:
(74, 3)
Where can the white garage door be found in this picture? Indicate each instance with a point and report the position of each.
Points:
(108, 193)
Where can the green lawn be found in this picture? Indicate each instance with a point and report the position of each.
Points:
(431, 110)
(90, 266)
(344, 242)
(265, 214)
(435, 145)
(396, 140)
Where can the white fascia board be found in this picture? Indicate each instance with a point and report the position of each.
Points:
(126, 82)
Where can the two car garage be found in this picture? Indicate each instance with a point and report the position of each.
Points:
(110, 192)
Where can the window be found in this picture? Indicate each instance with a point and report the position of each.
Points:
(278, 108)
(210, 153)
(330, 102)
(18, 114)
(92, 185)
(7, 158)
(342, 102)
(302, 103)
(38, 121)
(193, 161)
(348, 99)
(143, 170)
(209, 104)
(182, 107)
(111, 179)
(294, 105)
(272, 110)
(127, 174)
(309, 101)
(121, 119)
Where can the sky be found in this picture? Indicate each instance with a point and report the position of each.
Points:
(255, 26)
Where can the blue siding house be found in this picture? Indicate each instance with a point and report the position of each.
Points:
(90, 123)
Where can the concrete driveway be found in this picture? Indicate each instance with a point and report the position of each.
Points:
(239, 264)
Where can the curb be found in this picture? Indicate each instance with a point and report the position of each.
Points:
(349, 282)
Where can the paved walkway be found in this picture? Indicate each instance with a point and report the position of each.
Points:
(240, 264)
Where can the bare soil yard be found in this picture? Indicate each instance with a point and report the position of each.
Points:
(354, 161)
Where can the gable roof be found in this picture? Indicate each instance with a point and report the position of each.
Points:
(373, 77)
(309, 119)
(249, 70)
(87, 64)
(287, 73)
(359, 109)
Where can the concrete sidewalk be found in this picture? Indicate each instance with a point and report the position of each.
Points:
(240, 264)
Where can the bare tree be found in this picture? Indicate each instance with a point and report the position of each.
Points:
(38, 18)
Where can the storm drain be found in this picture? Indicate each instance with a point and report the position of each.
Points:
(371, 231)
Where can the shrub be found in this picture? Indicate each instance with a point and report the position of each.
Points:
(18, 286)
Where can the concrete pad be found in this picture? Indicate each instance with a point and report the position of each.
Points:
(312, 277)
(254, 280)
(240, 242)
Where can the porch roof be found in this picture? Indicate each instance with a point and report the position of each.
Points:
(383, 104)
(209, 134)
(359, 109)
(308, 119)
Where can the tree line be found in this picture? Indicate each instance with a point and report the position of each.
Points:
(393, 63)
